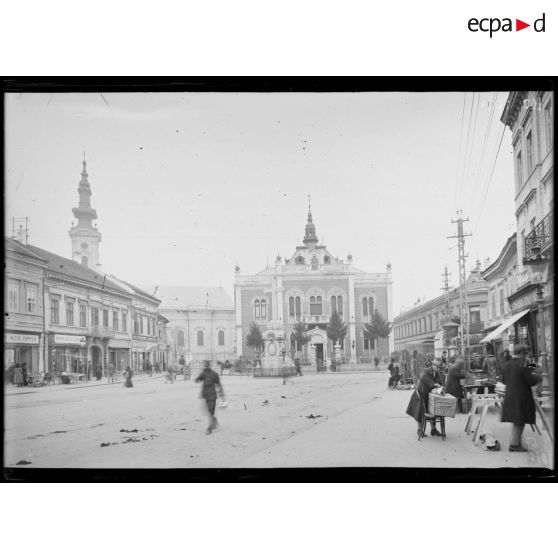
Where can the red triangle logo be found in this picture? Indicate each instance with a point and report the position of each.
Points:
(519, 25)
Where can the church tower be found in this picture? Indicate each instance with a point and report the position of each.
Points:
(310, 238)
(85, 236)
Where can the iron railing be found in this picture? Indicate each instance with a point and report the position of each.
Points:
(539, 238)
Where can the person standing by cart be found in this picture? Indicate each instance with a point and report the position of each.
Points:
(519, 405)
(456, 373)
(211, 385)
(418, 404)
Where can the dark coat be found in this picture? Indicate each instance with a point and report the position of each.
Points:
(519, 406)
(425, 384)
(210, 380)
(452, 382)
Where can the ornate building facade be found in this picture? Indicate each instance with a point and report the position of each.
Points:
(307, 288)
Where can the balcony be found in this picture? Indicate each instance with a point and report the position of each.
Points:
(539, 239)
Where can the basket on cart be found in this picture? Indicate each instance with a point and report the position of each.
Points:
(442, 405)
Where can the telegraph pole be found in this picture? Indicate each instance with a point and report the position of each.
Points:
(463, 309)
(446, 289)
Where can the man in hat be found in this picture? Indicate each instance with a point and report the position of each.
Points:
(519, 405)
(211, 385)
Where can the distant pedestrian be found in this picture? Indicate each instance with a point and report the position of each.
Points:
(24, 372)
(297, 366)
(88, 370)
(18, 375)
(519, 405)
(393, 368)
(444, 359)
(128, 377)
(111, 370)
(98, 369)
(211, 386)
(376, 362)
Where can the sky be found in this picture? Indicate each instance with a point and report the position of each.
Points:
(188, 185)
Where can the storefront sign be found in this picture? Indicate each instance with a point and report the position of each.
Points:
(69, 339)
(21, 339)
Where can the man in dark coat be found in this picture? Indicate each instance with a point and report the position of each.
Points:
(418, 404)
(519, 406)
(456, 373)
(211, 383)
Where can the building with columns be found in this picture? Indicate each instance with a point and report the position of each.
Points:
(307, 287)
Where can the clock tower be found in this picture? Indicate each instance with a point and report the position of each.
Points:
(85, 236)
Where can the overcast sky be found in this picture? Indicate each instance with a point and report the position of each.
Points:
(187, 185)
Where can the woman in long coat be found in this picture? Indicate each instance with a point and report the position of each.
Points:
(519, 406)
(128, 376)
(429, 379)
(18, 375)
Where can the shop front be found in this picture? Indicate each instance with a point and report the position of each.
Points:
(68, 354)
(21, 347)
(523, 304)
(119, 354)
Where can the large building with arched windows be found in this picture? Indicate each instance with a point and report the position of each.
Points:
(308, 287)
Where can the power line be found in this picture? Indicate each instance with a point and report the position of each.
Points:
(459, 152)
(490, 179)
(466, 177)
(466, 148)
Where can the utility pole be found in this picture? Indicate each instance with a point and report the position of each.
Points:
(446, 289)
(463, 308)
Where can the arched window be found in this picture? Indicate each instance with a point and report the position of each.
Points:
(257, 309)
(291, 306)
(316, 305)
(297, 307)
(293, 342)
(221, 338)
(365, 307)
(299, 260)
(180, 338)
(200, 338)
(340, 305)
(333, 304)
(371, 306)
(327, 260)
(263, 312)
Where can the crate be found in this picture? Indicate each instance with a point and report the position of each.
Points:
(442, 405)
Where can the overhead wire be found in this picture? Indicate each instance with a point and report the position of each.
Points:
(457, 166)
(472, 144)
(466, 149)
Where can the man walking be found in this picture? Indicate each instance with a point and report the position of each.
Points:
(519, 405)
(211, 384)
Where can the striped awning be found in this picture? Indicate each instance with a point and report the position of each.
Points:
(505, 325)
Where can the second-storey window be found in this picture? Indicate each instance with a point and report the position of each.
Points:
(94, 316)
(316, 305)
(54, 311)
(31, 299)
(13, 297)
(221, 339)
(82, 315)
(115, 320)
(125, 321)
(200, 338)
(105, 317)
(70, 313)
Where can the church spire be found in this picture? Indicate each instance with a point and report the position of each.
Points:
(310, 238)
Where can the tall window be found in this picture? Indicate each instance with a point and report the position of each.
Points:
(200, 338)
(263, 308)
(293, 342)
(124, 321)
(548, 125)
(32, 299)
(333, 304)
(82, 315)
(502, 311)
(523, 253)
(340, 305)
(13, 297)
(368, 307)
(54, 311)
(257, 309)
(366, 344)
(221, 339)
(105, 317)
(291, 306)
(69, 313)
(519, 169)
(316, 305)
(529, 142)
(115, 320)
(474, 315)
(297, 307)
(94, 316)
(141, 318)
(148, 326)
(180, 338)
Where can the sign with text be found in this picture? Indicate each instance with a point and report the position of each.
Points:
(69, 339)
(21, 338)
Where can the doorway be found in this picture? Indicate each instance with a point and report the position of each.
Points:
(319, 355)
(96, 356)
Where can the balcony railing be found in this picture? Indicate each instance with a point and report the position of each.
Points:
(539, 238)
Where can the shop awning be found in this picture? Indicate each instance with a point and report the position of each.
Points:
(507, 323)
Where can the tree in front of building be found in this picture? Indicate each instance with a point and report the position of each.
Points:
(336, 331)
(255, 339)
(300, 335)
(377, 328)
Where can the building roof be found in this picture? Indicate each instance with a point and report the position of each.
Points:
(64, 266)
(508, 251)
(129, 287)
(181, 297)
(16, 246)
